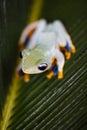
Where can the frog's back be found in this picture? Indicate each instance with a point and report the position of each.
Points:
(47, 39)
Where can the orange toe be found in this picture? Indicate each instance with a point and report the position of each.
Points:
(50, 75)
(60, 75)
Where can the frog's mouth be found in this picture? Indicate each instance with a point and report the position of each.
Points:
(35, 70)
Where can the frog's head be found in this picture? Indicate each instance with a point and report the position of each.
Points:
(35, 61)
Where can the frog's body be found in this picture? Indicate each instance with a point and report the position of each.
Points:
(31, 32)
(44, 52)
(42, 45)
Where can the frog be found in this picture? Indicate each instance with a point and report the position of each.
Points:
(44, 47)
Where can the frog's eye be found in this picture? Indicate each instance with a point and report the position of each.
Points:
(42, 66)
(21, 55)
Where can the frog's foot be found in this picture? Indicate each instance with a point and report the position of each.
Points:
(26, 77)
(65, 52)
(67, 55)
(60, 75)
(17, 74)
(50, 75)
(73, 49)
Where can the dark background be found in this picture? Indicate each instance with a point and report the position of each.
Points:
(66, 99)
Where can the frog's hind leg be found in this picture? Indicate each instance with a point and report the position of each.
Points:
(67, 51)
(23, 43)
(73, 48)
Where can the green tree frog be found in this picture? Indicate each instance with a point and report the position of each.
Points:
(44, 47)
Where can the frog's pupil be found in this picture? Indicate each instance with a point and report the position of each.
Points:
(42, 66)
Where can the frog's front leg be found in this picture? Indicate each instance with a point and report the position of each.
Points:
(54, 68)
(57, 65)
(19, 73)
(61, 61)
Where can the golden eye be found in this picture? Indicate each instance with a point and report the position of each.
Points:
(42, 66)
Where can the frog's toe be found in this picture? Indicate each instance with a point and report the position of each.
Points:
(60, 75)
(73, 48)
(67, 55)
(26, 77)
(50, 75)
(17, 74)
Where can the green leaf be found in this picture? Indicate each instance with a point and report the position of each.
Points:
(44, 104)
